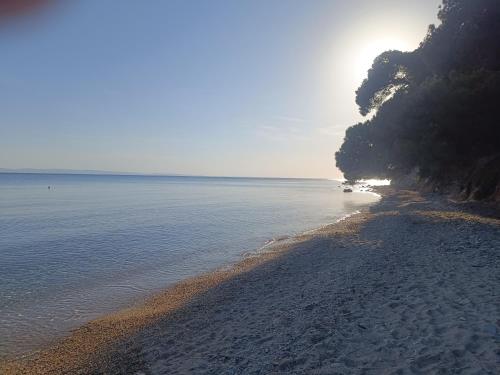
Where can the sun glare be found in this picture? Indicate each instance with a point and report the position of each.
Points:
(365, 55)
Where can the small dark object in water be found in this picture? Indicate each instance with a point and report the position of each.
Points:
(48, 187)
(347, 190)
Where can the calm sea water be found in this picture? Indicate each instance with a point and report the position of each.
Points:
(93, 244)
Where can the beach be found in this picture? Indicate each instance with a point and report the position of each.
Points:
(410, 285)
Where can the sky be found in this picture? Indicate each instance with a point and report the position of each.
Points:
(219, 87)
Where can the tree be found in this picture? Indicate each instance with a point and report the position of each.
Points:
(434, 108)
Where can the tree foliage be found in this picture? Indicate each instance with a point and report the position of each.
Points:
(434, 109)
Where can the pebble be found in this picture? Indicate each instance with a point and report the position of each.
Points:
(490, 329)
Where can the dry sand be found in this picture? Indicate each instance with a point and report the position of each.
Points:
(411, 287)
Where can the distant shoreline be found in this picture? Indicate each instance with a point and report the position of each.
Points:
(351, 291)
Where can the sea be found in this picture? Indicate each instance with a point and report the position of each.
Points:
(74, 247)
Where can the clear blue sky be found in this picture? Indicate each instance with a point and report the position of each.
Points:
(241, 88)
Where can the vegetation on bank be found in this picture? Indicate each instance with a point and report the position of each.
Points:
(435, 109)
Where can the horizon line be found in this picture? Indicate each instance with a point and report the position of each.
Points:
(96, 172)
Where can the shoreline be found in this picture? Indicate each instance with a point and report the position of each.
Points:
(99, 332)
(52, 339)
(106, 268)
(122, 340)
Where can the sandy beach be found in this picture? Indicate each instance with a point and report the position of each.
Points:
(411, 286)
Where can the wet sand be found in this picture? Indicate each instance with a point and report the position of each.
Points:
(412, 286)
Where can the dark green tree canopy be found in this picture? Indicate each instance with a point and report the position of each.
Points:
(391, 71)
(435, 108)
